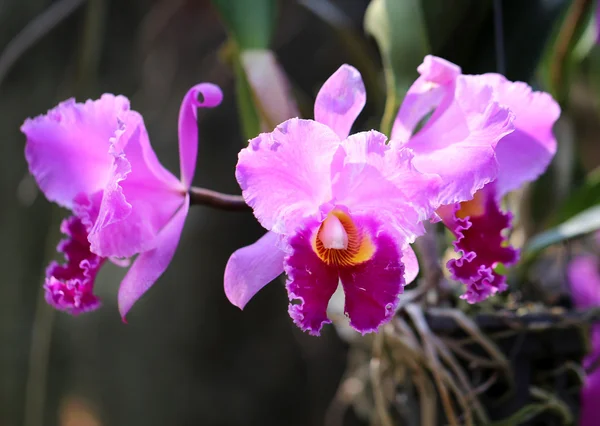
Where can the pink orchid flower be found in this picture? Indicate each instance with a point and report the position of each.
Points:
(520, 157)
(343, 208)
(96, 160)
(584, 277)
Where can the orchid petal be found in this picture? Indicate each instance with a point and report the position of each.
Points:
(311, 282)
(252, 267)
(139, 198)
(372, 288)
(284, 175)
(478, 225)
(150, 265)
(426, 93)
(340, 100)
(369, 176)
(524, 154)
(188, 126)
(67, 149)
(590, 395)
(69, 287)
(459, 144)
(584, 277)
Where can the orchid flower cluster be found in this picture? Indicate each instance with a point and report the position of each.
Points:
(339, 208)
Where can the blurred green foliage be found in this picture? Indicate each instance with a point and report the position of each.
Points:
(401, 34)
(251, 24)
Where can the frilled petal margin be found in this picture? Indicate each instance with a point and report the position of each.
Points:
(524, 154)
(70, 286)
(478, 225)
(67, 148)
(150, 265)
(311, 282)
(252, 267)
(285, 174)
(135, 205)
(371, 288)
(458, 144)
(367, 175)
(340, 100)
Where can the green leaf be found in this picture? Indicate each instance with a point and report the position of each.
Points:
(580, 224)
(400, 31)
(582, 198)
(251, 23)
(501, 269)
(249, 115)
(270, 88)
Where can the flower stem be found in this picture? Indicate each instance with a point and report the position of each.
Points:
(218, 200)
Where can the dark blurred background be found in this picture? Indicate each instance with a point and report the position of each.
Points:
(186, 357)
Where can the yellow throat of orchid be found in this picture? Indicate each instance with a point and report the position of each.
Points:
(339, 242)
(472, 208)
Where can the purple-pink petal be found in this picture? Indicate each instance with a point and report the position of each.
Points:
(311, 282)
(368, 176)
(150, 265)
(524, 154)
(478, 226)
(139, 198)
(70, 286)
(188, 126)
(373, 288)
(285, 174)
(584, 276)
(340, 100)
(459, 144)
(428, 92)
(521, 155)
(67, 148)
(590, 396)
(252, 267)
(96, 159)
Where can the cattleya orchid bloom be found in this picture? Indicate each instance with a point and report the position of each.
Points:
(343, 208)
(95, 159)
(584, 277)
(520, 156)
